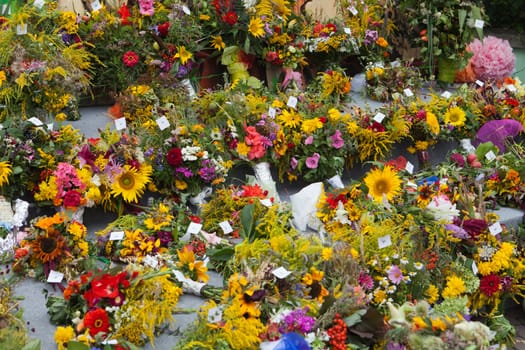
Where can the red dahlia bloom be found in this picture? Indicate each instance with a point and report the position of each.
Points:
(130, 59)
(72, 199)
(490, 284)
(230, 17)
(97, 321)
(174, 157)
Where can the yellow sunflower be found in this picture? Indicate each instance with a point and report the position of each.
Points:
(455, 116)
(256, 27)
(5, 171)
(47, 248)
(271, 8)
(433, 123)
(383, 182)
(289, 118)
(131, 182)
(217, 42)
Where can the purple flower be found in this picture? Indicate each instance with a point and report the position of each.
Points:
(395, 346)
(371, 36)
(365, 281)
(506, 283)
(293, 163)
(184, 171)
(309, 140)
(165, 238)
(313, 161)
(458, 159)
(394, 274)
(297, 321)
(207, 172)
(337, 140)
(457, 231)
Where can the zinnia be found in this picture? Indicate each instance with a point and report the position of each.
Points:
(490, 284)
(174, 157)
(130, 59)
(97, 321)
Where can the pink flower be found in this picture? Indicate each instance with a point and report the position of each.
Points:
(130, 59)
(309, 140)
(293, 163)
(394, 274)
(365, 281)
(256, 143)
(313, 161)
(146, 7)
(337, 140)
(492, 59)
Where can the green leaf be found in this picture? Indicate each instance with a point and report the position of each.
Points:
(247, 222)
(32, 345)
(74, 345)
(355, 318)
(462, 17)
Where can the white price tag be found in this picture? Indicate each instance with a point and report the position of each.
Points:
(410, 168)
(479, 83)
(35, 121)
(379, 117)
(21, 29)
(150, 261)
(38, 3)
(194, 228)
(281, 272)
(446, 94)
(226, 227)
(266, 202)
(408, 92)
(292, 102)
(479, 23)
(347, 31)
(120, 123)
(495, 228)
(215, 315)
(96, 6)
(110, 341)
(50, 126)
(511, 88)
(272, 112)
(186, 10)
(480, 177)
(475, 268)
(116, 235)
(163, 122)
(384, 241)
(490, 155)
(55, 277)
(395, 64)
(353, 10)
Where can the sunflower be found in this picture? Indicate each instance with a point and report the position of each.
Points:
(131, 182)
(432, 122)
(383, 182)
(5, 171)
(48, 247)
(455, 116)
(271, 8)
(256, 27)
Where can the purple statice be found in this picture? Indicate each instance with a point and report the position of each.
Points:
(149, 152)
(371, 36)
(184, 171)
(207, 172)
(297, 321)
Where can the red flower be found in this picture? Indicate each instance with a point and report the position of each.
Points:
(124, 15)
(254, 191)
(512, 102)
(331, 28)
(490, 284)
(130, 59)
(106, 286)
(230, 17)
(97, 321)
(163, 28)
(377, 127)
(174, 157)
(72, 199)
(400, 163)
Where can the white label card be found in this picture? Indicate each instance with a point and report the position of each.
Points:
(347, 31)
(55, 277)
(50, 126)
(35, 121)
(480, 177)
(226, 227)
(384, 241)
(408, 92)
(446, 94)
(281, 272)
(474, 268)
(116, 235)
(95, 5)
(495, 228)
(150, 261)
(353, 10)
(379, 117)
(194, 228)
(490, 155)
(266, 202)
(214, 315)
(410, 168)
(292, 102)
(38, 3)
(120, 123)
(110, 341)
(479, 23)
(272, 112)
(511, 88)
(163, 122)
(479, 83)
(21, 29)
(186, 10)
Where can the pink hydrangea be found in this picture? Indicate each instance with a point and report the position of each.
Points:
(492, 58)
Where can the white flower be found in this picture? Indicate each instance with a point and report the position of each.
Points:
(442, 208)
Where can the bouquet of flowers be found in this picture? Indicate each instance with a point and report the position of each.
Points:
(52, 243)
(114, 308)
(387, 82)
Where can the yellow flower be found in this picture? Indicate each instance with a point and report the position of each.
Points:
(217, 42)
(379, 296)
(382, 42)
(277, 103)
(326, 253)
(243, 149)
(3, 77)
(5, 171)
(433, 123)
(421, 145)
(256, 27)
(77, 230)
(334, 115)
(310, 125)
(383, 183)
(183, 54)
(204, 17)
(131, 182)
(455, 287)
(455, 116)
(289, 118)
(60, 117)
(432, 294)
(181, 185)
(63, 335)
(418, 323)
(438, 324)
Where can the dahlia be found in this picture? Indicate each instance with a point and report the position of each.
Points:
(492, 58)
